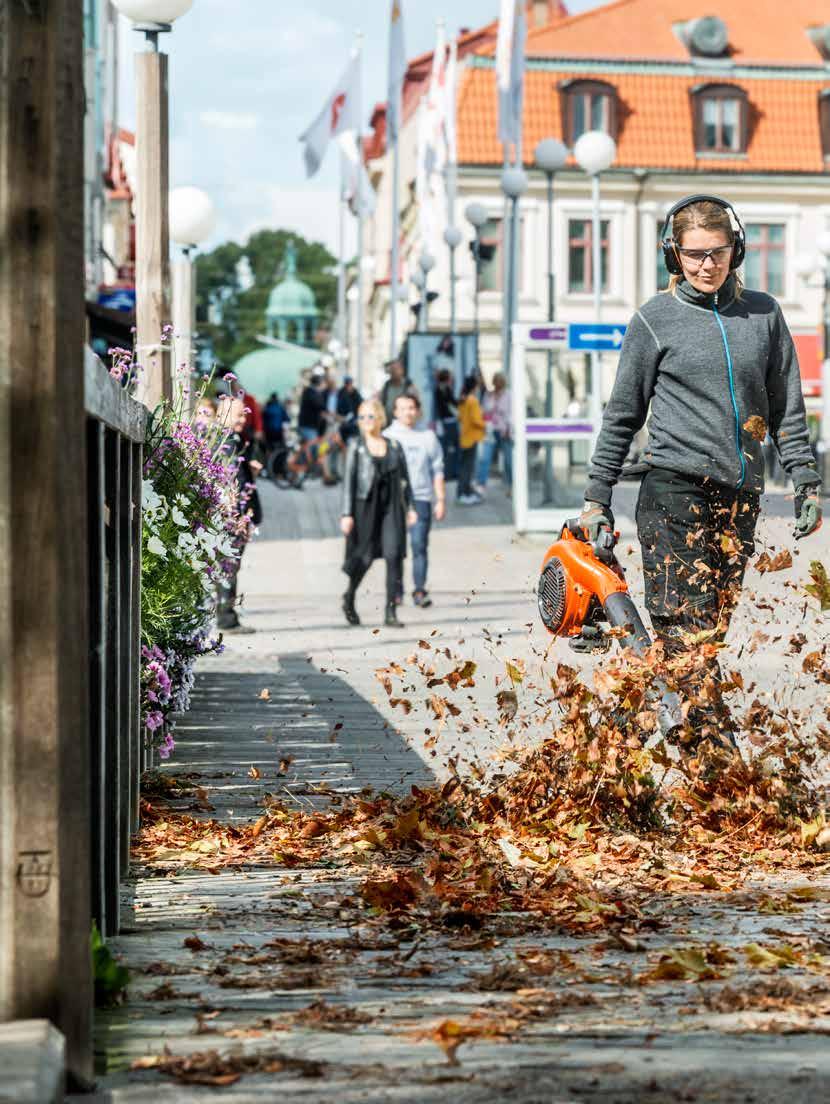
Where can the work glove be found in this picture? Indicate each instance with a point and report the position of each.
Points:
(807, 510)
(594, 518)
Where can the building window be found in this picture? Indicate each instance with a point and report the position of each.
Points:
(764, 267)
(662, 271)
(721, 119)
(824, 121)
(492, 270)
(588, 105)
(490, 274)
(580, 255)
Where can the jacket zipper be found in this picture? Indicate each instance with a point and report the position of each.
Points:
(731, 375)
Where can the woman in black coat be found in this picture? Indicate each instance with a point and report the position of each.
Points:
(377, 509)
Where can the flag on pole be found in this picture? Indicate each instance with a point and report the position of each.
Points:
(510, 69)
(436, 105)
(397, 71)
(340, 114)
(355, 186)
(450, 94)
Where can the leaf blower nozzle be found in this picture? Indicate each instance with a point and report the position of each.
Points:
(581, 585)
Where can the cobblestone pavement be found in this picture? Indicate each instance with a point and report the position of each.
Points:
(348, 1011)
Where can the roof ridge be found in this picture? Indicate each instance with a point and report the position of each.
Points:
(569, 20)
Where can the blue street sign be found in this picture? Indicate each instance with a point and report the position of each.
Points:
(595, 336)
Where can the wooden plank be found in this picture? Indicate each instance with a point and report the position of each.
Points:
(135, 632)
(152, 261)
(97, 664)
(44, 795)
(112, 698)
(107, 401)
(127, 680)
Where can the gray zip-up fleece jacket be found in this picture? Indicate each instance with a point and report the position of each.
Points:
(705, 364)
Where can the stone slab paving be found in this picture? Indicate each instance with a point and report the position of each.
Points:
(293, 968)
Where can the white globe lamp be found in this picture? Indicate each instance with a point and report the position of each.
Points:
(823, 243)
(514, 182)
(192, 216)
(453, 237)
(807, 264)
(160, 12)
(595, 152)
(550, 155)
(476, 214)
(426, 262)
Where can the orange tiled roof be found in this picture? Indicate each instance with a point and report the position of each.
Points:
(656, 121)
(419, 69)
(771, 31)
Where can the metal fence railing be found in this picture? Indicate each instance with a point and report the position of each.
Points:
(115, 427)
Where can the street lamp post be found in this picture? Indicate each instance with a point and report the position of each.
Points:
(514, 185)
(426, 263)
(476, 215)
(550, 156)
(453, 238)
(819, 266)
(192, 221)
(595, 152)
(152, 242)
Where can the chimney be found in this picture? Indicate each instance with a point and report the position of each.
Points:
(540, 13)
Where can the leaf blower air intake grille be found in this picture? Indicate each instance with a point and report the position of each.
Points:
(551, 595)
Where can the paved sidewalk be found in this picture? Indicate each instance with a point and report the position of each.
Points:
(292, 969)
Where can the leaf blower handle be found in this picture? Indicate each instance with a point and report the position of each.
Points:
(623, 614)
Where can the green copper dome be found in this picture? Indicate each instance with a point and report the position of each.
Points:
(291, 298)
(271, 369)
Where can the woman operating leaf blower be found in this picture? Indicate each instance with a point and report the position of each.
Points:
(715, 365)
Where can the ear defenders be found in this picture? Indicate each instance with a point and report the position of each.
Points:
(669, 245)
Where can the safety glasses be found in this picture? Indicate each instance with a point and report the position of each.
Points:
(695, 258)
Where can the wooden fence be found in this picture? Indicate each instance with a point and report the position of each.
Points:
(115, 426)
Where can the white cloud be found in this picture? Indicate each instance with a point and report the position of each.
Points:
(311, 212)
(229, 120)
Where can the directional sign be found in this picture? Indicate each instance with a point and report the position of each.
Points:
(556, 332)
(595, 336)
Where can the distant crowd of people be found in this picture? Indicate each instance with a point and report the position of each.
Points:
(393, 469)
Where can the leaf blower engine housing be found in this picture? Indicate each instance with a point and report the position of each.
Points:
(582, 584)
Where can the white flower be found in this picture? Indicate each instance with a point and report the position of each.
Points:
(179, 518)
(155, 546)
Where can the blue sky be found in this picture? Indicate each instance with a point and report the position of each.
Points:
(247, 77)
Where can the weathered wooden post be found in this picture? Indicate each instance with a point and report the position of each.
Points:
(44, 771)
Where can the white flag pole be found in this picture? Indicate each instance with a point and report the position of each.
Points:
(341, 268)
(516, 230)
(396, 221)
(359, 137)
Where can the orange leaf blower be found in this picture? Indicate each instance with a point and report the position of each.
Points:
(583, 585)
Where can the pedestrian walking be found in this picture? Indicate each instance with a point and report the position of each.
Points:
(498, 442)
(397, 383)
(377, 509)
(471, 434)
(425, 464)
(348, 402)
(311, 420)
(446, 421)
(274, 420)
(716, 365)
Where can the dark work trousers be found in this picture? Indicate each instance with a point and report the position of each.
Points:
(466, 467)
(394, 578)
(449, 446)
(696, 538)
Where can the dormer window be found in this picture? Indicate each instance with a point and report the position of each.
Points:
(588, 105)
(824, 122)
(721, 113)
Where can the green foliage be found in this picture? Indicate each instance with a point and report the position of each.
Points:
(820, 586)
(111, 978)
(244, 312)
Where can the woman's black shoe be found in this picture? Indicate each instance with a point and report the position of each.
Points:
(349, 610)
(392, 617)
